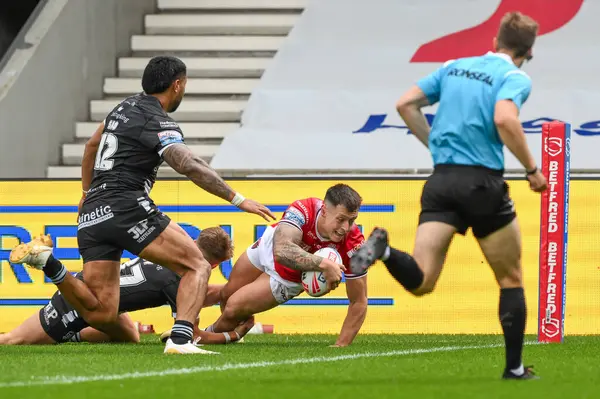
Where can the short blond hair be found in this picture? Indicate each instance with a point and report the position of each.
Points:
(517, 33)
(215, 244)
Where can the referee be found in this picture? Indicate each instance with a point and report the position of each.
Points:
(479, 103)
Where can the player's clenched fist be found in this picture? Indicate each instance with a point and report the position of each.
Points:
(537, 181)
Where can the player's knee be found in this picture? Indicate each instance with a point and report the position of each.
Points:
(198, 272)
(422, 291)
(204, 270)
(427, 287)
(229, 312)
(234, 311)
(510, 278)
(195, 263)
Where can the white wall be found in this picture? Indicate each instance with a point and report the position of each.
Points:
(70, 48)
(347, 60)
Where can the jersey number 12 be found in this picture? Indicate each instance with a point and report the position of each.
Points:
(108, 146)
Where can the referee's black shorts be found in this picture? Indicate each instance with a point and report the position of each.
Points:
(467, 196)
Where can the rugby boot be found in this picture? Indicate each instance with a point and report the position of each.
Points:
(34, 253)
(165, 336)
(186, 349)
(372, 250)
(528, 374)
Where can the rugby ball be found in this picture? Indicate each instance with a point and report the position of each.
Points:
(314, 283)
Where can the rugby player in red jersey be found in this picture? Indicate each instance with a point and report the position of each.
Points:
(269, 272)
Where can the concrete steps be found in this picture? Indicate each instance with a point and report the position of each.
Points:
(202, 67)
(191, 131)
(188, 111)
(219, 24)
(226, 46)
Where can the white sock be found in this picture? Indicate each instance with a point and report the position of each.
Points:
(43, 257)
(386, 254)
(518, 371)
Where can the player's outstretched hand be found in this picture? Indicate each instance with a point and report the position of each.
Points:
(243, 328)
(332, 272)
(256, 208)
(537, 181)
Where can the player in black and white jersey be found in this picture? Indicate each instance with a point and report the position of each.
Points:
(143, 285)
(119, 167)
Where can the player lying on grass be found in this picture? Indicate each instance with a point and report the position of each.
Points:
(143, 285)
(269, 272)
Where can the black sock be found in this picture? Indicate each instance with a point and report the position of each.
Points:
(55, 270)
(404, 268)
(513, 314)
(182, 332)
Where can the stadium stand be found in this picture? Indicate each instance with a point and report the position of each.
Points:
(226, 46)
(52, 69)
(332, 87)
(253, 79)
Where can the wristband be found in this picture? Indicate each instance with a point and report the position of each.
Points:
(237, 335)
(227, 337)
(531, 172)
(238, 199)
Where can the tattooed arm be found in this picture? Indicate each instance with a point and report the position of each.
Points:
(287, 251)
(185, 162)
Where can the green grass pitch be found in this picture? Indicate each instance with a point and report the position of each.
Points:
(303, 366)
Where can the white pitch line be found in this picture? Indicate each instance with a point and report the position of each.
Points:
(62, 380)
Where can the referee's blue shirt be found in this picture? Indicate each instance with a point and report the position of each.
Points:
(463, 130)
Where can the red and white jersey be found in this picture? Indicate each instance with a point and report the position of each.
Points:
(303, 214)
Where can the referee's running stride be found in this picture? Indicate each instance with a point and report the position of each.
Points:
(480, 98)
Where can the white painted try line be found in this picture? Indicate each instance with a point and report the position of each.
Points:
(61, 380)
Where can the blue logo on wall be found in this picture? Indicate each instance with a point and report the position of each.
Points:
(534, 126)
